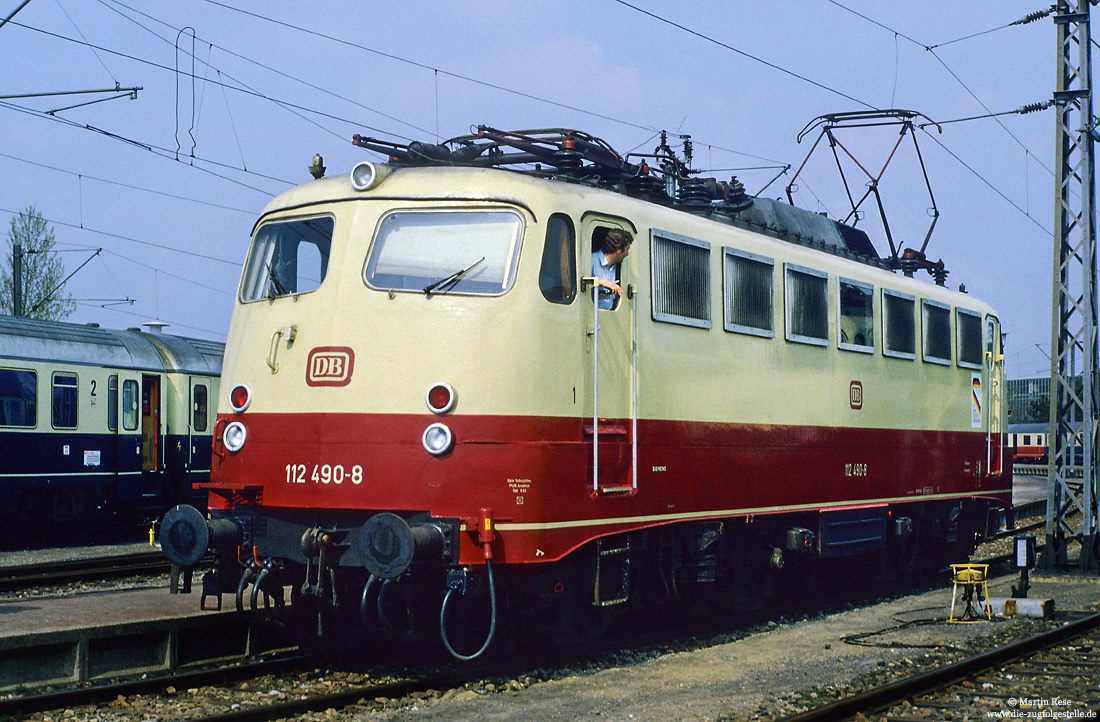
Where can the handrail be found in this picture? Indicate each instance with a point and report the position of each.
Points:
(633, 386)
(595, 333)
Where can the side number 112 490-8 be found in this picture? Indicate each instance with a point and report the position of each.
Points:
(323, 474)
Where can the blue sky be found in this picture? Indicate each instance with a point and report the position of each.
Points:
(235, 102)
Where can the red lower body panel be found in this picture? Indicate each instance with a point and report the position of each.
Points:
(535, 474)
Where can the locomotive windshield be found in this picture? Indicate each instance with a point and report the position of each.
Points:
(287, 258)
(471, 252)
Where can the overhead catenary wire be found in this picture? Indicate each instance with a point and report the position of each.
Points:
(121, 237)
(131, 186)
(163, 152)
(930, 49)
(992, 187)
(423, 66)
(227, 51)
(738, 51)
(240, 89)
(435, 71)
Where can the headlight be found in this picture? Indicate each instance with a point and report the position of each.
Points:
(234, 435)
(363, 176)
(437, 439)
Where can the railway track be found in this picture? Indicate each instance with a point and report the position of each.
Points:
(1056, 672)
(26, 576)
(99, 694)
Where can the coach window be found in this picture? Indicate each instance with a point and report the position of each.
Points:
(64, 401)
(198, 411)
(968, 325)
(130, 405)
(558, 273)
(680, 279)
(473, 252)
(18, 395)
(898, 325)
(287, 258)
(112, 402)
(856, 316)
(936, 326)
(807, 305)
(748, 293)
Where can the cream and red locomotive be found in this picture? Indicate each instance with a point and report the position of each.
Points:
(426, 410)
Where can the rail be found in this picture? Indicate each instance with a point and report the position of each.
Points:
(78, 570)
(888, 695)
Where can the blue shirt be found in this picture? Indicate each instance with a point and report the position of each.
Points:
(603, 270)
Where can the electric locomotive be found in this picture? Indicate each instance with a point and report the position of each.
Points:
(426, 410)
(99, 424)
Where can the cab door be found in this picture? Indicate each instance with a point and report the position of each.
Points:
(994, 377)
(611, 376)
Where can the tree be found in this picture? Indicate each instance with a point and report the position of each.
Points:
(43, 272)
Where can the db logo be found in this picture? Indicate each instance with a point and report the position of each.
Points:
(855, 395)
(329, 366)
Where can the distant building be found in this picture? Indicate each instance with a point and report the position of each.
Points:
(1028, 400)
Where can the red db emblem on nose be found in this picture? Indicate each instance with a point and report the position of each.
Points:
(330, 366)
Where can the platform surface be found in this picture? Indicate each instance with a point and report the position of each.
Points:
(36, 615)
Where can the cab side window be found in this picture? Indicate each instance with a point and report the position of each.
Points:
(558, 273)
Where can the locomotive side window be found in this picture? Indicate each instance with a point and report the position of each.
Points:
(857, 321)
(969, 326)
(64, 401)
(558, 272)
(748, 293)
(898, 325)
(198, 408)
(470, 252)
(807, 305)
(937, 332)
(287, 258)
(130, 405)
(680, 279)
(112, 402)
(18, 395)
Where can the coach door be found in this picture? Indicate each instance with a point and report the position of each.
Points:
(127, 429)
(611, 353)
(150, 423)
(198, 460)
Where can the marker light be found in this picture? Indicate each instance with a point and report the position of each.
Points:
(234, 435)
(363, 176)
(437, 439)
(240, 397)
(440, 398)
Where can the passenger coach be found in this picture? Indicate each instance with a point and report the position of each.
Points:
(98, 423)
(424, 409)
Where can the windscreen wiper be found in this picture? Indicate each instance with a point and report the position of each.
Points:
(445, 284)
(273, 282)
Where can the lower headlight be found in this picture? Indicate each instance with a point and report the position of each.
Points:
(437, 439)
(234, 435)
